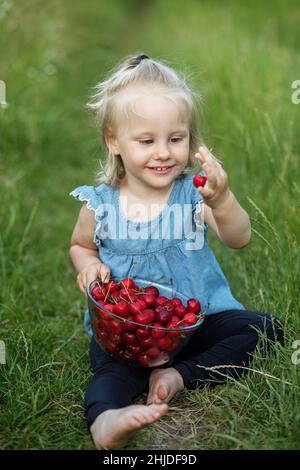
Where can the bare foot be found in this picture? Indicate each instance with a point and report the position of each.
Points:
(112, 428)
(163, 385)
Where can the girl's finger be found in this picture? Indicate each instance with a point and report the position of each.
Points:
(210, 158)
(200, 157)
(211, 174)
(84, 284)
(90, 279)
(104, 273)
(206, 153)
(81, 286)
(78, 281)
(84, 293)
(205, 193)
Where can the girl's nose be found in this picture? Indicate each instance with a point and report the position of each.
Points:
(163, 151)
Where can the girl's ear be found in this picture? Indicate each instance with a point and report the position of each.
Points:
(111, 140)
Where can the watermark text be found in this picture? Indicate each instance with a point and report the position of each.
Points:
(296, 354)
(2, 352)
(295, 97)
(3, 102)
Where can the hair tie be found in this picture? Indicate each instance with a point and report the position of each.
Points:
(141, 57)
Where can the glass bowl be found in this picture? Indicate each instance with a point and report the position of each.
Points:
(134, 343)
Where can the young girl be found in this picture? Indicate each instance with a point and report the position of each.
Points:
(147, 117)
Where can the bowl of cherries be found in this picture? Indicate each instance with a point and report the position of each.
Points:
(141, 323)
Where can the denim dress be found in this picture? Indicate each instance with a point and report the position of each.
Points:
(170, 249)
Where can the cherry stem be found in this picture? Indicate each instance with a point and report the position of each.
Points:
(127, 301)
(107, 293)
(127, 292)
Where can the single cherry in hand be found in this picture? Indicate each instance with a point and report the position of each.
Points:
(199, 180)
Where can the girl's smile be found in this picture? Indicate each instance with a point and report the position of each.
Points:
(161, 170)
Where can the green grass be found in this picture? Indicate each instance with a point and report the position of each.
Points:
(243, 59)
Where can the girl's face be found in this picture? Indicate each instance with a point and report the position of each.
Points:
(154, 141)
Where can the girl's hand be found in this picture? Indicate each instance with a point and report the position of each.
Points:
(93, 271)
(216, 189)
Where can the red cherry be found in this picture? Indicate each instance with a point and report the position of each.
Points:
(104, 314)
(116, 296)
(129, 338)
(115, 326)
(102, 325)
(142, 333)
(189, 319)
(110, 347)
(143, 318)
(143, 359)
(101, 312)
(153, 352)
(142, 304)
(174, 333)
(129, 327)
(147, 343)
(169, 306)
(127, 356)
(135, 308)
(128, 283)
(150, 313)
(98, 292)
(128, 294)
(163, 316)
(176, 302)
(109, 307)
(199, 180)
(135, 349)
(165, 343)
(158, 333)
(180, 310)
(112, 286)
(149, 299)
(152, 290)
(121, 308)
(193, 305)
(161, 300)
(175, 344)
(116, 339)
(102, 335)
(175, 319)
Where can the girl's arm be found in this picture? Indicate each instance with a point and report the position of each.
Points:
(83, 251)
(230, 222)
(222, 212)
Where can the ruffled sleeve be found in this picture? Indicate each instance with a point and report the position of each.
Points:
(92, 196)
(86, 194)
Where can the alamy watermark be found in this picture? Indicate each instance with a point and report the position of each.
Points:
(174, 222)
(2, 352)
(3, 102)
(295, 97)
(296, 354)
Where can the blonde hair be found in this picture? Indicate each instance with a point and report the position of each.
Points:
(138, 70)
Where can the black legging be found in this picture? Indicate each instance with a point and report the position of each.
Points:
(227, 338)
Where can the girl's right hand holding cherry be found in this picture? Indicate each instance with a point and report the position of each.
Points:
(216, 190)
(90, 273)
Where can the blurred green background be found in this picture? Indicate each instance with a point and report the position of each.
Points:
(242, 58)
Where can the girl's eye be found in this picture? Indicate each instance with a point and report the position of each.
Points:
(174, 140)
